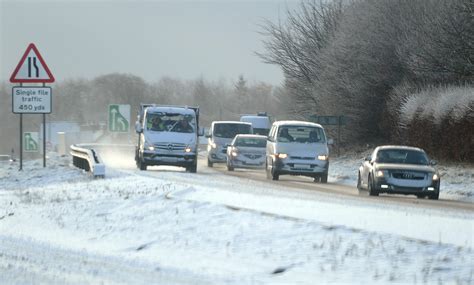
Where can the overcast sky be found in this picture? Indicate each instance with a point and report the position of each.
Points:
(151, 39)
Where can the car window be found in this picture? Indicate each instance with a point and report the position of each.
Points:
(251, 142)
(231, 130)
(403, 156)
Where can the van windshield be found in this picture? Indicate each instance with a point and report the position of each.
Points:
(301, 134)
(171, 122)
(231, 130)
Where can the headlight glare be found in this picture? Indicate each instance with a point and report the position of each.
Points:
(187, 149)
(282, 155)
(435, 176)
(323, 157)
(213, 145)
(380, 173)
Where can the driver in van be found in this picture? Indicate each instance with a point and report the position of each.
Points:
(157, 124)
(284, 134)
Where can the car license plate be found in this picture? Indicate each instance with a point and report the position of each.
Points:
(301, 166)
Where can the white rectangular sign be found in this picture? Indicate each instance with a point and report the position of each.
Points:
(31, 100)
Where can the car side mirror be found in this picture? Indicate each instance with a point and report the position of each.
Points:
(433, 162)
(138, 127)
(330, 141)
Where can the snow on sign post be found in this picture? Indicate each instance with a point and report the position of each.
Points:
(31, 99)
(119, 118)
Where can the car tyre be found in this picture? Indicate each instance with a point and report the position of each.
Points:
(267, 170)
(372, 190)
(359, 183)
(209, 163)
(434, 196)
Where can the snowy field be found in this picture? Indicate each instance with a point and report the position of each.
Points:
(58, 225)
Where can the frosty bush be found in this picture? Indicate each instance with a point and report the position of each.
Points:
(439, 119)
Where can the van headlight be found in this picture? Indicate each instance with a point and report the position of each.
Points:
(380, 173)
(148, 146)
(281, 155)
(435, 177)
(323, 157)
(187, 149)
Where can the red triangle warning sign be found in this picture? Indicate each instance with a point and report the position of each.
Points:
(32, 68)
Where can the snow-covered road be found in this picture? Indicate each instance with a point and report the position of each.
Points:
(57, 225)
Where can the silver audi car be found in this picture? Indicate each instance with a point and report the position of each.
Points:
(399, 170)
(246, 151)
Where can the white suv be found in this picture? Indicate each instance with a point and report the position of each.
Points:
(297, 148)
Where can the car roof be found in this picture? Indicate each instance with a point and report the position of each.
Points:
(231, 122)
(297, 123)
(399, 147)
(251, 136)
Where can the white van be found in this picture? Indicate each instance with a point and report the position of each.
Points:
(260, 123)
(297, 148)
(220, 136)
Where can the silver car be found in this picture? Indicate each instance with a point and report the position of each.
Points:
(246, 151)
(399, 170)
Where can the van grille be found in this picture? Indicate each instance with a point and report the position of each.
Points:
(170, 146)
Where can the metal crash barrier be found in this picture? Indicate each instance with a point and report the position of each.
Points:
(87, 159)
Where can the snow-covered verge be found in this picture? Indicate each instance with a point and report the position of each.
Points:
(457, 181)
(57, 225)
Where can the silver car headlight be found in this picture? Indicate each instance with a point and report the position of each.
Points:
(323, 157)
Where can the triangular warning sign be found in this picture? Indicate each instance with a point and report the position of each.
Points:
(32, 68)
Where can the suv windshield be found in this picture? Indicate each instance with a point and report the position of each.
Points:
(301, 134)
(402, 156)
(251, 142)
(231, 130)
(170, 122)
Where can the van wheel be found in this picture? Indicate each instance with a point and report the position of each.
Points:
(192, 168)
(209, 163)
(141, 164)
(324, 178)
(275, 174)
